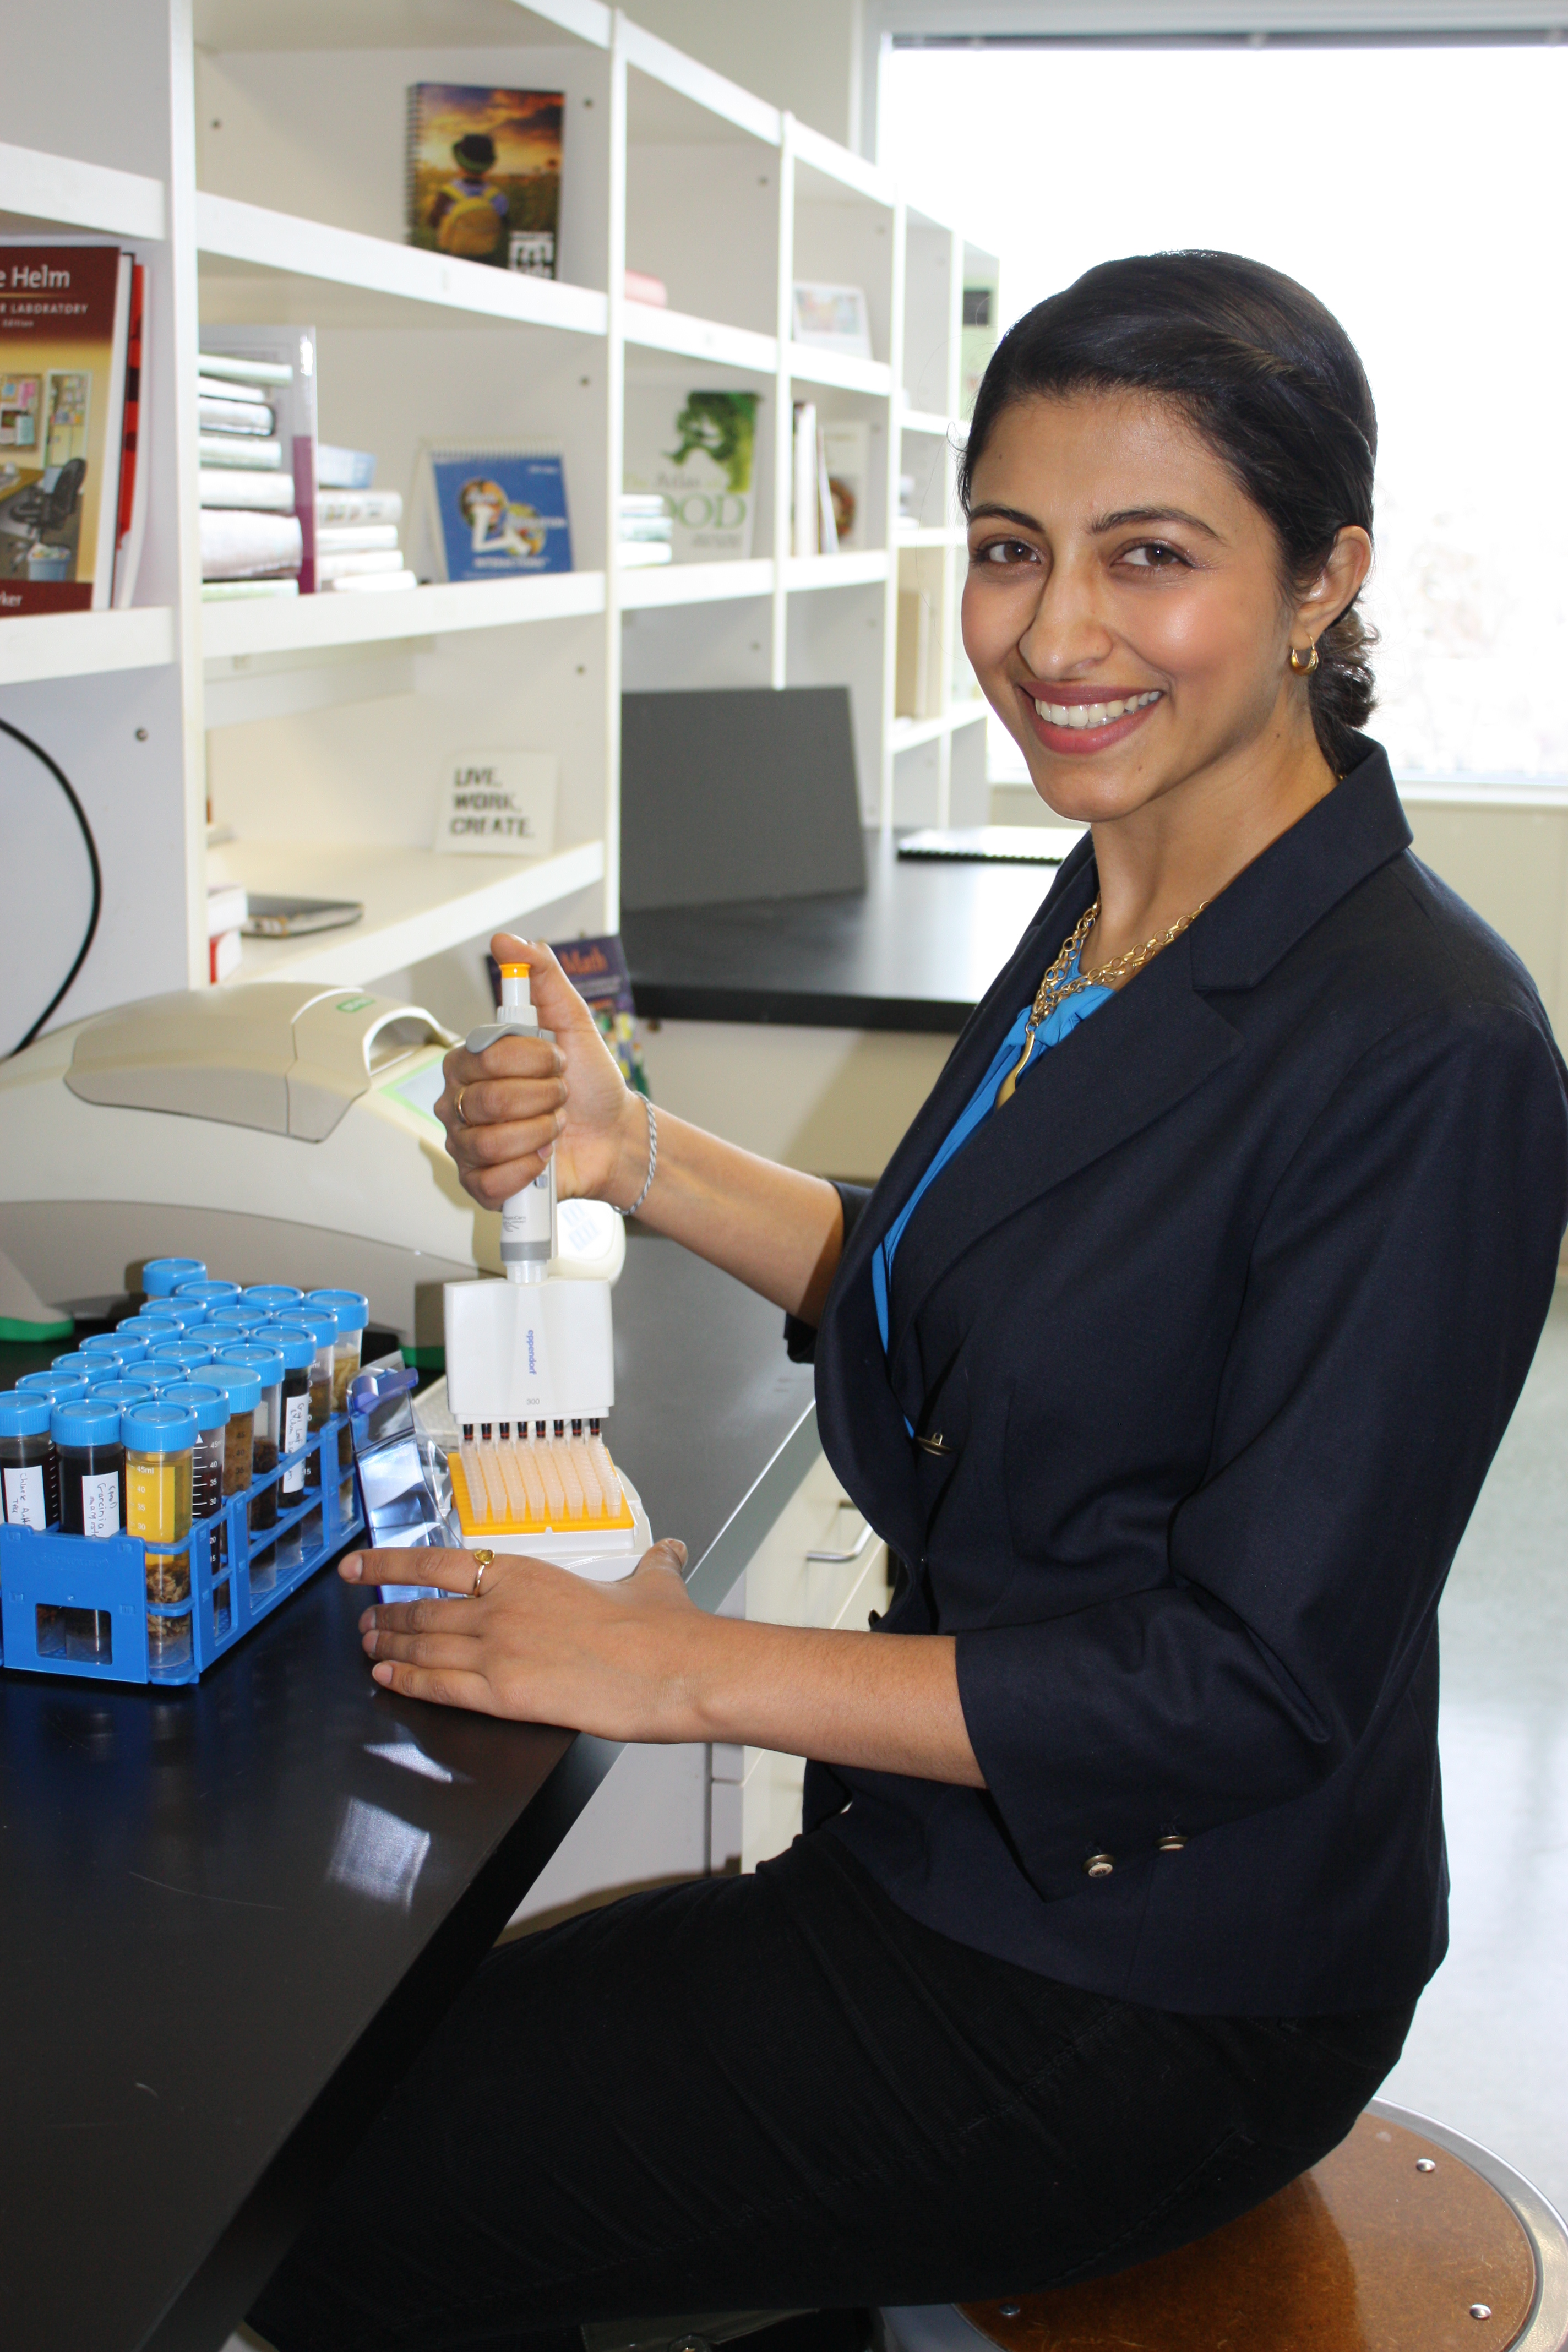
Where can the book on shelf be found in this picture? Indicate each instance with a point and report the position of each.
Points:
(814, 528)
(372, 583)
(697, 450)
(343, 469)
(240, 543)
(597, 969)
(351, 537)
(917, 684)
(252, 451)
(336, 509)
(976, 342)
(131, 529)
(245, 471)
(218, 412)
(847, 456)
(248, 367)
(232, 591)
(360, 563)
(65, 321)
(226, 912)
(233, 486)
(484, 175)
(487, 510)
(644, 530)
(831, 319)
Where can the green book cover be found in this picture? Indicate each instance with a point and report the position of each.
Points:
(698, 451)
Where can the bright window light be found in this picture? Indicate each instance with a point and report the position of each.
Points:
(1412, 189)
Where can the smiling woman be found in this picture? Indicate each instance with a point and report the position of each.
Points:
(1168, 1356)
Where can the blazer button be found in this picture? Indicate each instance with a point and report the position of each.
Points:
(1171, 1843)
(1100, 1866)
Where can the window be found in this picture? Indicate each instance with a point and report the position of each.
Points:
(1413, 188)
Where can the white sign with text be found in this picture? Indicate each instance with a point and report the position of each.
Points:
(498, 804)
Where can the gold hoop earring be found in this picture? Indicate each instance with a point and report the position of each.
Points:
(1304, 668)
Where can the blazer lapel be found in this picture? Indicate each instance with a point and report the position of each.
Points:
(1125, 1066)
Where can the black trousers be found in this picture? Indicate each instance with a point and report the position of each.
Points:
(779, 2092)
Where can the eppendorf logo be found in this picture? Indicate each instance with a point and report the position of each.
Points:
(533, 1365)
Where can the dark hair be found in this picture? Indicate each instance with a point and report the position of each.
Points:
(475, 150)
(1265, 373)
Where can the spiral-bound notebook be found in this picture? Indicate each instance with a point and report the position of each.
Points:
(489, 510)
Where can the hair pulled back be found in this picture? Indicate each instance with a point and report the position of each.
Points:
(1265, 373)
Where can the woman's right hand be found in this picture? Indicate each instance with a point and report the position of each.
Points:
(523, 1100)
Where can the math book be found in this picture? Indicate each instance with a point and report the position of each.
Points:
(489, 513)
(484, 175)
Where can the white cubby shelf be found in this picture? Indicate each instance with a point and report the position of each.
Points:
(343, 706)
(417, 903)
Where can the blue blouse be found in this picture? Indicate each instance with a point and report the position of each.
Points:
(1057, 1025)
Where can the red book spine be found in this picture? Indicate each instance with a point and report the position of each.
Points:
(133, 422)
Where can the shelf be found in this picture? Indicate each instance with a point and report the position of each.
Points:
(936, 534)
(711, 91)
(81, 195)
(922, 420)
(278, 624)
(656, 586)
(655, 329)
(908, 734)
(817, 152)
(417, 903)
(75, 645)
(841, 372)
(854, 570)
(264, 239)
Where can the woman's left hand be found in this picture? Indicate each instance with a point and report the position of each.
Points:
(539, 1644)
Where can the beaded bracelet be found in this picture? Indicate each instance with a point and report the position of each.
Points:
(652, 1161)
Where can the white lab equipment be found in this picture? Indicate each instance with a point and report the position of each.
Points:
(273, 1127)
(530, 1374)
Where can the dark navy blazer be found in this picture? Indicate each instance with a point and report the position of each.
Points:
(1220, 1322)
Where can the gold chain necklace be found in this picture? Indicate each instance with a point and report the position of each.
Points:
(1056, 987)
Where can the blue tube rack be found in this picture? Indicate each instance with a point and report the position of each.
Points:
(77, 1605)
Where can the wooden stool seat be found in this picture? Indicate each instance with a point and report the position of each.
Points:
(1405, 2239)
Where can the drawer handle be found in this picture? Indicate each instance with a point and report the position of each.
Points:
(838, 1559)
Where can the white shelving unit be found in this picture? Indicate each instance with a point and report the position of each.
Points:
(252, 150)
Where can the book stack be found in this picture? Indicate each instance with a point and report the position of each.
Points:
(356, 526)
(646, 529)
(252, 540)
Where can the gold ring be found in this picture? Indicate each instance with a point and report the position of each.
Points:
(462, 1092)
(482, 1558)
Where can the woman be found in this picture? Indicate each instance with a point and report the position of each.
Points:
(1169, 1355)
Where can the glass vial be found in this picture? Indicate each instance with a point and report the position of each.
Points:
(210, 1406)
(351, 1308)
(160, 1444)
(29, 1467)
(92, 1467)
(267, 1363)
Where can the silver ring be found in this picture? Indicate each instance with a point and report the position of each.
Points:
(482, 1558)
